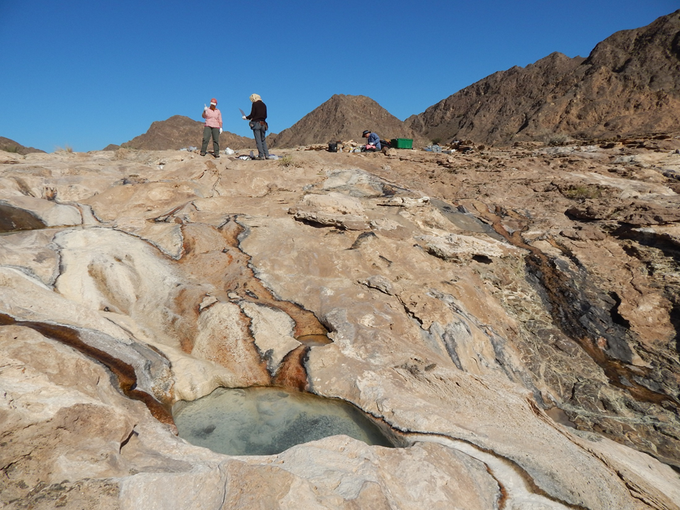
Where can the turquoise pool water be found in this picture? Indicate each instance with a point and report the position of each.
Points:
(266, 421)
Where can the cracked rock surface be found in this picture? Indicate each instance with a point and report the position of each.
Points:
(511, 315)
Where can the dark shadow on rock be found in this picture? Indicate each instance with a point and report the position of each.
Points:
(13, 219)
(675, 321)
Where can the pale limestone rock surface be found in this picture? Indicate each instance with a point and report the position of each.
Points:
(50, 213)
(520, 356)
(273, 331)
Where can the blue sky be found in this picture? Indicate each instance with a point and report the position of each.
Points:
(85, 74)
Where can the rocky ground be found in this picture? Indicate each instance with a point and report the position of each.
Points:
(510, 315)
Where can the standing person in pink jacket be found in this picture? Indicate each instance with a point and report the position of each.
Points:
(213, 128)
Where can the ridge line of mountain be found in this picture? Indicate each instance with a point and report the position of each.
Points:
(628, 86)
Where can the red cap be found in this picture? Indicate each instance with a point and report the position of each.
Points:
(213, 101)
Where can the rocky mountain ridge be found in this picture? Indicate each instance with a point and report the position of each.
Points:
(343, 117)
(8, 145)
(629, 85)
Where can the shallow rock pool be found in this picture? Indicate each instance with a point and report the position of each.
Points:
(266, 421)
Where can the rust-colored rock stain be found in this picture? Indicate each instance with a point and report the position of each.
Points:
(215, 255)
(125, 373)
(292, 373)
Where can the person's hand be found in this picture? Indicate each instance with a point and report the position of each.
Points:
(220, 130)
(204, 107)
(244, 117)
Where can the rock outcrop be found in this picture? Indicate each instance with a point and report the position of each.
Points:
(8, 145)
(510, 315)
(342, 117)
(628, 86)
(180, 132)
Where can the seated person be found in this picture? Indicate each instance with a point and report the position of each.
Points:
(373, 142)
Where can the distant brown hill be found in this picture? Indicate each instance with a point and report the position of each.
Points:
(179, 132)
(629, 85)
(342, 117)
(11, 146)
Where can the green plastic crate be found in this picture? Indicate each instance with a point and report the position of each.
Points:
(402, 143)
